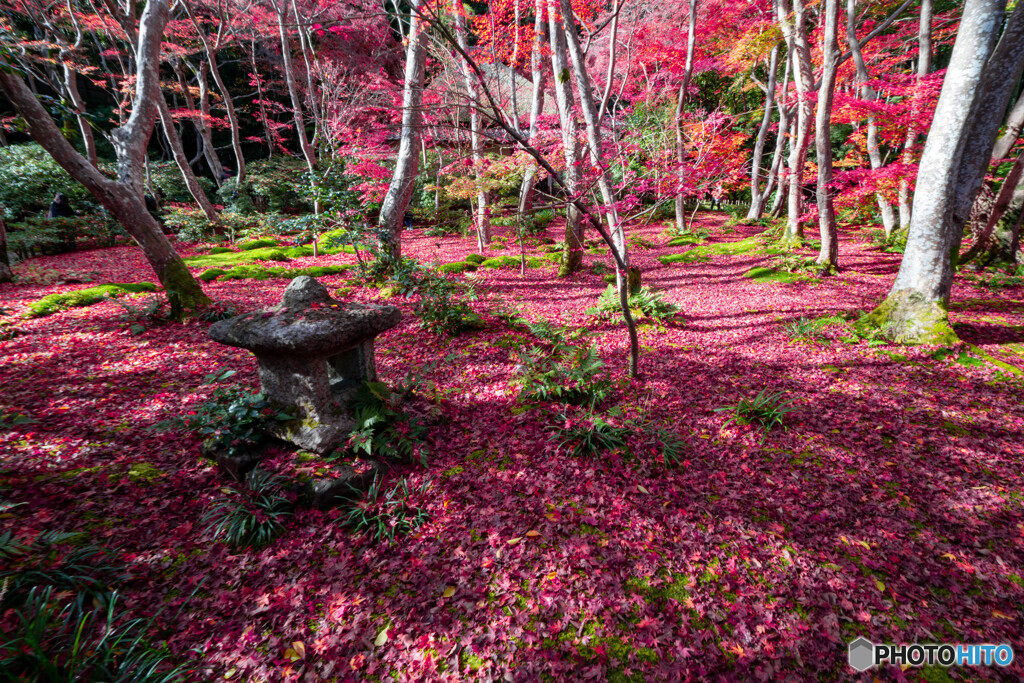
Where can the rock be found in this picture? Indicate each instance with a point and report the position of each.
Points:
(314, 352)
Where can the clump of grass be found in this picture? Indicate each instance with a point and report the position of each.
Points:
(385, 515)
(253, 516)
(589, 436)
(52, 303)
(811, 329)
(767, 410)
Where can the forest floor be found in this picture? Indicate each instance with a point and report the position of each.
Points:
(889, 505)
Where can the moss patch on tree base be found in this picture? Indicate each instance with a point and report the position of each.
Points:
(907, 317)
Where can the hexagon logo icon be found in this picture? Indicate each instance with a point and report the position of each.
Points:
(862, 654)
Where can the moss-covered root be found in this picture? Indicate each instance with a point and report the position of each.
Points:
(907, 317)
(183, 291)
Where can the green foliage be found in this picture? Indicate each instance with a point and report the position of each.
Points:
(382, 429)
(811, 329)
(254, 244)
(259, 272)
(40, 236)
(241, 257)
(149, 314)
(29, 179)
(234, 420)
(457, 267)
(645, 303)
(766, 410)
(442, 311)
(60, 642)
(565, 374)
(52, 303)
(589, 436)
(58, 560)
(170, 184)
(475, 258)
(271, 185)
(762, 275)
(253, 516)
(385, 515)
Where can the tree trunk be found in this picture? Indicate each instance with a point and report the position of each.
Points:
(293, 88)
(229, 107)
(593, 126)
(1013, 186)
(975, 93)
(828, 257)
(5, 264)
(868, 94)
(396, 201)
(680, 99)
(924, 67)
(469, 80)
(572, 258)
(757, 198)
(794, 30)
(181, 159)
(779, 156)
(526, 191)
(209, 151)
(122, 198)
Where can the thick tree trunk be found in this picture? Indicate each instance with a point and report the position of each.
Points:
(794, 30)
(680, 99)
(757, 197)
(469, 80)
(593, 126)
(122, 198)
(828, 257)
(181, 159)
(5, 264)
(396, 201)
(975, 93)
(572, 258)
(924, 67)
(526, 191)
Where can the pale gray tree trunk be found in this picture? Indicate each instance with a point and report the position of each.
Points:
(288, 66)
(123, 198)
(868, 94)
(983, 69)
(526, 191)
(793, 22)
(181, 159)
(924, 67)
(5, 264)
(209, 151)
(572, 258)
(1011, 133)
(691, 38)
(757, 197)
(595, 147)
(779, 156)
(476, 138)
(828, 257)
(396, 201)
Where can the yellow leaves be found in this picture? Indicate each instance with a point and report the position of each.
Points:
(448, 592)
(999, 615)
(949, 556)
(641, 489)
(551, 576)
(296, 652)
(532, 533)
(381, 638)
(514, 541)
(880, 586)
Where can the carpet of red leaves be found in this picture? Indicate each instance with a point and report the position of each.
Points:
(890, 507)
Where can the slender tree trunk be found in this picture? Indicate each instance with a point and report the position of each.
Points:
(828, 257)
(680, 99)
(526, 191)
(229, 108)
(293, 88)
(779, 156)
(469, 80)
(868, 94)
(123, 198)
(1012, 185)
(924, 67)
(209, 151)
(612, 54)
(392, 210)
(1014, 124)
(794, 30)
(983, 69)
(572, 258)
(5, 264)
(593, 126)
(757, 198)
(262, 101)
(181, 159)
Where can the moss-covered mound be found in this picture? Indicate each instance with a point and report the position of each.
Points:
(256, 244)
(457, 267)
(52, 303)
(255, 271)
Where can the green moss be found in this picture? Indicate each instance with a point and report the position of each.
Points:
(763, 275)
(475, 258)
(261, 272)
(211, 274)
(144, 473)
(907, 317)
(221, 250)
(706, 252)
(255, 244)
(500, 262)
(457, 267)
(52, 303)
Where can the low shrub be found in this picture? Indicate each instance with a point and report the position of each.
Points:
(457, 267)
(564, 374)
(234, 420)
(645, 303)
(42, 236)
(52, 303)
(382, 429)
(256, 244)
(385, 515)
(252, 516)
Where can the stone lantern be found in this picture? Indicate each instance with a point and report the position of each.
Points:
(314, 352)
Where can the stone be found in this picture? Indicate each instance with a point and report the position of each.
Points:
(313, 352)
